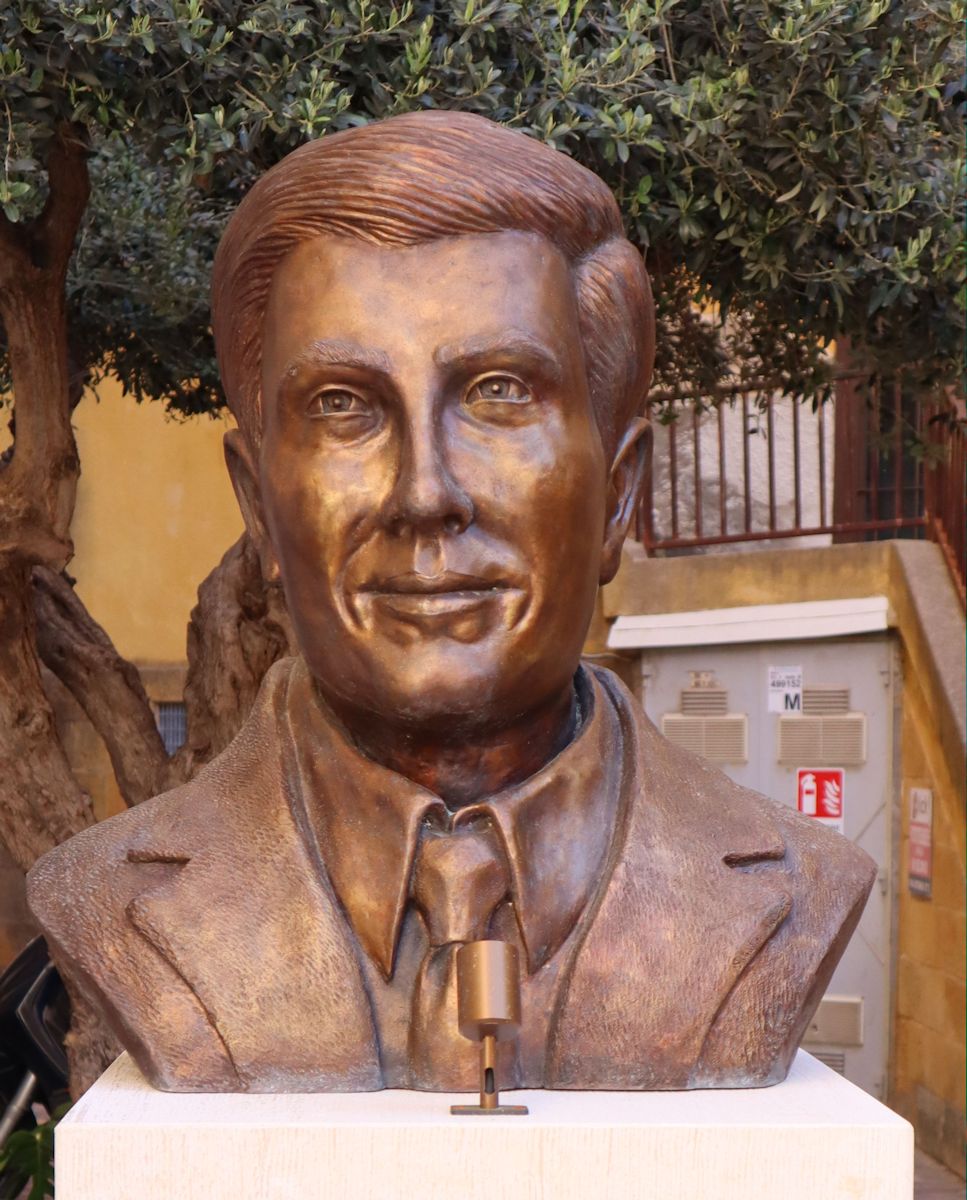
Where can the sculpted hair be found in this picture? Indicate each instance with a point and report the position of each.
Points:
(417, 178)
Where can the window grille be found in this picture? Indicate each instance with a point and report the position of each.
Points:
(172, 725)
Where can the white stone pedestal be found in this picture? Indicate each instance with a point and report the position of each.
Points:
(814, 1137)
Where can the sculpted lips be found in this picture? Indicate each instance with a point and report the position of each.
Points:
(411, 595)
(412, 583)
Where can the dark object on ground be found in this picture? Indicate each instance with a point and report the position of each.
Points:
(34, 1019)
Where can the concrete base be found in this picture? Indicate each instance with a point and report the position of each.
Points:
(813, 1137)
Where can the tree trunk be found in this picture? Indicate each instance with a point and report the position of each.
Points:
(40, 801)
(41, 804)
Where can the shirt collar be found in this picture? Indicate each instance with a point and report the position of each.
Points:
(556, 827)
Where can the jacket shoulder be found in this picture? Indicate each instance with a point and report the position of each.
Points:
(252, 747)
(822, 854)
(828, 879)
(730, 815)
(81, 880)
(76, 884)
(80, 893)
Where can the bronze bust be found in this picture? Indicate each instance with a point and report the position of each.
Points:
(437, 343)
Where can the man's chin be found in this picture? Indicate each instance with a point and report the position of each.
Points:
(445, 703)
(452, 695)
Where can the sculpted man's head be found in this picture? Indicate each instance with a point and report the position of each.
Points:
(437, 344)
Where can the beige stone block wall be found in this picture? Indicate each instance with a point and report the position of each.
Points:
(928, 1082)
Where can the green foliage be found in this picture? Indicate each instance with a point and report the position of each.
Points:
(27, 1157)
(794, 164)
(138, 282)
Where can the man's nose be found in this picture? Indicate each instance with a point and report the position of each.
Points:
(427, 497)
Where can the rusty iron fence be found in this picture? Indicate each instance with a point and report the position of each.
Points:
(871, 464)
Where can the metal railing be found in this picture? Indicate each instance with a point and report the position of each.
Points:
(944, 505)
(759, 468)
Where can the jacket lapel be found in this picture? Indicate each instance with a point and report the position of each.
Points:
(248, 921)
(694, 892)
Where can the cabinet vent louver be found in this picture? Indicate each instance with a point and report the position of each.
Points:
(720, 739)
(704, 702)
(825, 701)
(835, 1059)
(835, 741)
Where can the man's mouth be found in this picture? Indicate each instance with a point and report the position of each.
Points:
(411, 595)
(447, 583)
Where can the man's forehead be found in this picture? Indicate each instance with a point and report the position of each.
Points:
(446, 296)
(334, 251)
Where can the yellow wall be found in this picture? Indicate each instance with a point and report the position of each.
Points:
(929, 1063)
(155, 512)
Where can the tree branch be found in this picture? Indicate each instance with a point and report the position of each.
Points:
(76, 649)
(238, 628)
(69, 189)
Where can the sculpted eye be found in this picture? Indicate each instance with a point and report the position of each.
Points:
(337, 402)
(499, 389)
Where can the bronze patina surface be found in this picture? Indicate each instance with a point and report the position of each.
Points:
(437, 344)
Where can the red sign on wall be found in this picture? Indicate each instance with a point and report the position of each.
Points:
(820, 794)
(920, 861)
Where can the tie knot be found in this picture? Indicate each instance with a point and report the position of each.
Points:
(459, 880)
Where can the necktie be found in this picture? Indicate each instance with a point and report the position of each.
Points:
(459, 880)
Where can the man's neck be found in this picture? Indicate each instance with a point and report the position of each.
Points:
(470, 770)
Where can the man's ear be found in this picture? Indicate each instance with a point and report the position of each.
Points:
(245, 480)
(631, 462)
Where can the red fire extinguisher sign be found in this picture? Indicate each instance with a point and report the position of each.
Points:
(820, 794)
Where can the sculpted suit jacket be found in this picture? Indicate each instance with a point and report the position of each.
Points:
(713, 925)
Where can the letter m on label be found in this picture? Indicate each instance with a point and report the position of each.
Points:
(792, 701)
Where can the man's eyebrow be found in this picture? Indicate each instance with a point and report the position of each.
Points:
(332, 352)
(501, 346)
